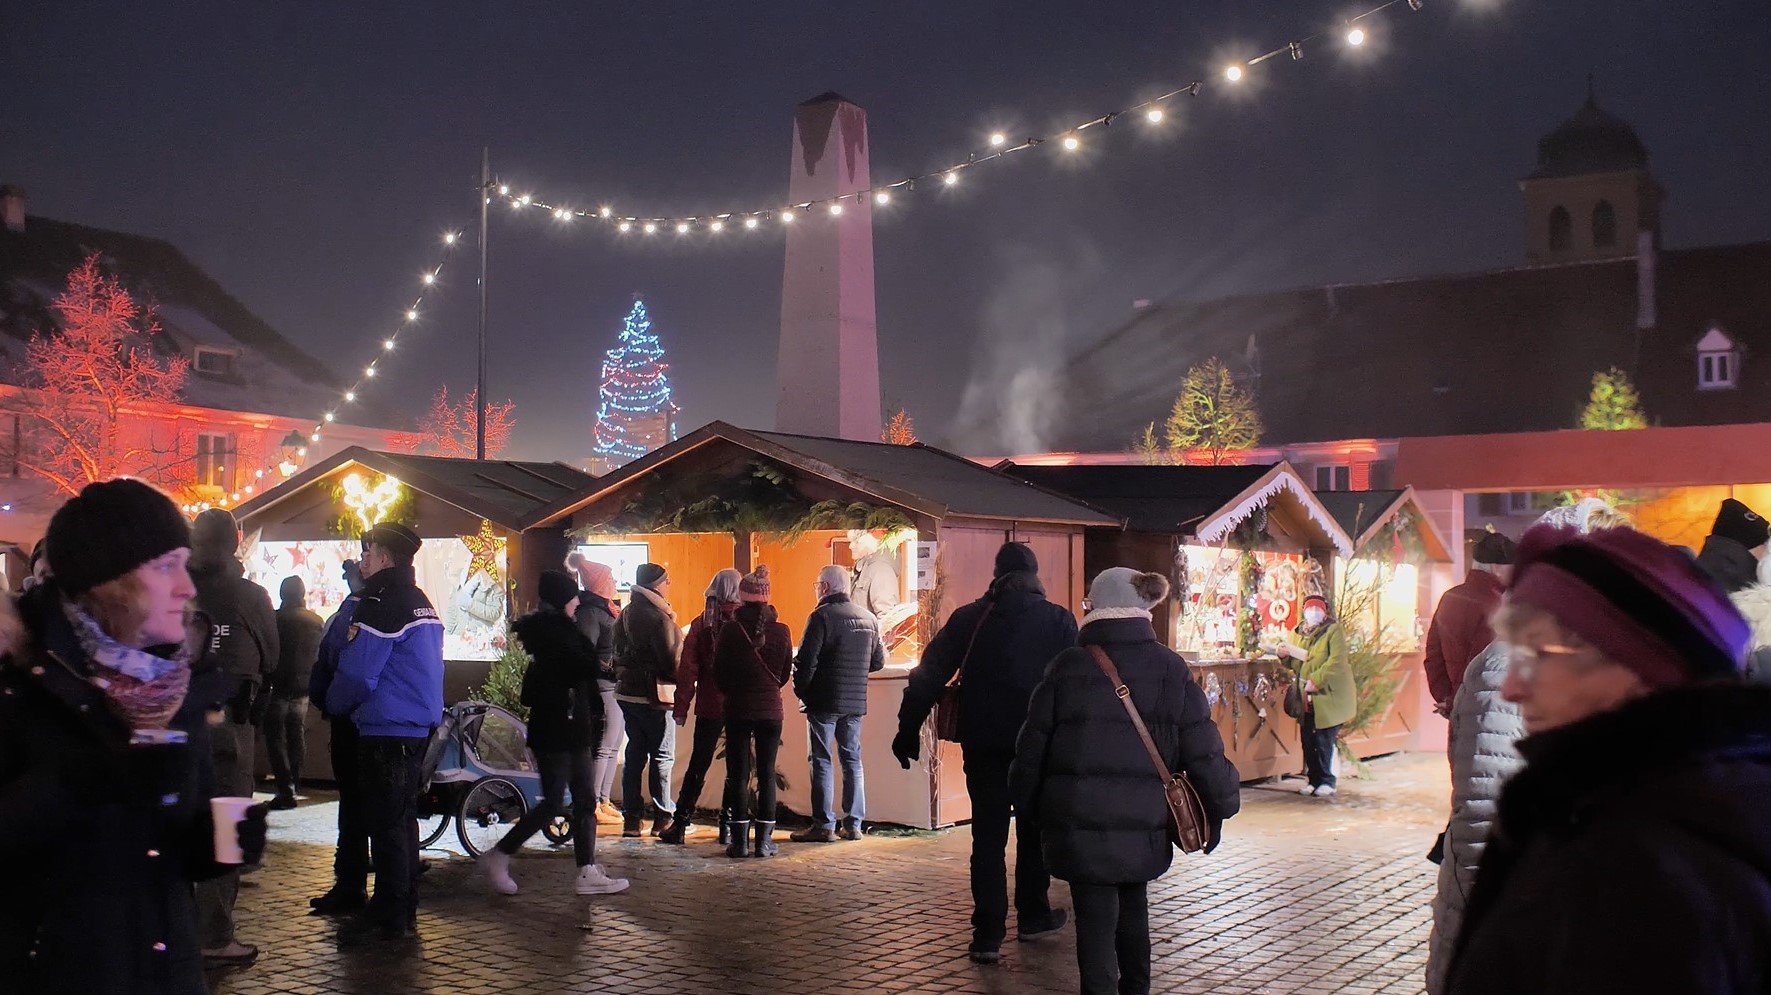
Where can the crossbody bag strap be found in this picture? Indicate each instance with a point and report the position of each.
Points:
(1124, 693)
(954, 680)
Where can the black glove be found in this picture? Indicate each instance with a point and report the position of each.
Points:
(907, 746)
(1217, 834)
(252, 834)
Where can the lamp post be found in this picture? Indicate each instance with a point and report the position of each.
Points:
(293, 447)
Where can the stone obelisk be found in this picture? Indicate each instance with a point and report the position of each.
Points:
(829, 361)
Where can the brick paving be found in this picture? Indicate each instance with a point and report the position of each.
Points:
(1303, 896)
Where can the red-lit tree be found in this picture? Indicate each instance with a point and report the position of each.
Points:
(900, 431)
(87, 412)
(448, 429)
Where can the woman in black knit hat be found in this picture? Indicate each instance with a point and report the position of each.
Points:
(104, 758)
(752, 659)
(565, 724)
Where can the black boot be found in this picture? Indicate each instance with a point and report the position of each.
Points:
(739, 847)
(725, 827)
(285, 797)
(765, 840)
(673, 833)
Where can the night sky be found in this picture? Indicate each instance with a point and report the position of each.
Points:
(310, 155)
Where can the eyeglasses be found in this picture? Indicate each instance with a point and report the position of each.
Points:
(1524, 660)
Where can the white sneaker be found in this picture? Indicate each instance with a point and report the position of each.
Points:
(1327, 790)
(1306, 789)
(496, 864)
(593, 880)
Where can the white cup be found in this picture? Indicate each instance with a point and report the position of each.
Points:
(227, 814)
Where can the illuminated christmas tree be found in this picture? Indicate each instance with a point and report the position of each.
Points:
(635, 414)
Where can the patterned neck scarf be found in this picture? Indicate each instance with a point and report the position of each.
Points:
(143, 689)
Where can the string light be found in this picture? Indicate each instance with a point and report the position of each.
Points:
(718, 226)
(412, 315)
(682, 227)
(449, 239)
(999, 145)
(651, 227)
(836, 208)
(369, 371)
(504, 190)
(882, 198)
(387, 345)
(350, 395)
(429, 279)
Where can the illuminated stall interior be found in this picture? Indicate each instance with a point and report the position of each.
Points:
(476, 517)
(727, 497)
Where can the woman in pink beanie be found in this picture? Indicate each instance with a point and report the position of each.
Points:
(1633, 851)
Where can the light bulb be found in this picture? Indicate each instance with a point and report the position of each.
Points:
(350, 395)
(1071, 143)
(750, 222)
(329, 416)
(368, 371)
(249, 488)
(302, 451)
(315, 437)
(997, 138)
(1233, 73)
(624, 226)
(430, 278)
(524, 199)
(605, 211)
(561, 214)
(950, 178)
(387, 344)
(258, 473)
(787, 217)
(412, 315)
(682, 227)
(1356, 37)
(718, 226)
(449, 239)
(504, 190)
(1154, 115)
(651, 227)
(882, 198)
(836, 209)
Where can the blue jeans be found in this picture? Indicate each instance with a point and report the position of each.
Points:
(651, 741)
(846, 730)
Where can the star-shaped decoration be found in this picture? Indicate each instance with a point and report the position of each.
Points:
(483, 550)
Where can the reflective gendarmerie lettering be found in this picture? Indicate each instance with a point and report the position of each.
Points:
(424, 612)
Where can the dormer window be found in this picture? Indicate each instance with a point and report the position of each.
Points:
(1718, 361)
(216, 362)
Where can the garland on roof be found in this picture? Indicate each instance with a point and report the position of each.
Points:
(763, 499)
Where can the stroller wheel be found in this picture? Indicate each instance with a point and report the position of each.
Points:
(558, 830)
(488, 809)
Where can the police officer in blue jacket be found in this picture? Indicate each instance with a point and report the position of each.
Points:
(390, 682)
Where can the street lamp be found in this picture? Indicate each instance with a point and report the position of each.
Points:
(293, 446)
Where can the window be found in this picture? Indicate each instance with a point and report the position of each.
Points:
(1331, 477)
(1718, 361)
(215, 361)
(1561, 230)
(1604, 224)
(1491, 505)
(215, 461)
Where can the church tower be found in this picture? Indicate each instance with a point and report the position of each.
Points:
(828, 367)
(1592, 195)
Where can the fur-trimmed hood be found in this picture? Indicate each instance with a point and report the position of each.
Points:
(1755, 604)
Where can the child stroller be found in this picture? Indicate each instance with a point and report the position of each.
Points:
(478, 770)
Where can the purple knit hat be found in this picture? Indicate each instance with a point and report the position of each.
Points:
(1639, 601)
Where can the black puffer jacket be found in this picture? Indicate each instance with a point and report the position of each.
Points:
(647, 645)
(596, 619)
(102, 839)
(840, 648)
(1013, 633)
(1632, 854)
(1082, 772)
(559, 688)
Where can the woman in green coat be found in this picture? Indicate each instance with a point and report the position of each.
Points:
(1330, 699)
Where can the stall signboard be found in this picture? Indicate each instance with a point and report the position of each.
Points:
(623, 558)
(470, 602)
(1209, 624)
(922, 578)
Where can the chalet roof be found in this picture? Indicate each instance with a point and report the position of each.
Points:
(1503, 351)
(1361, 513)
(917, 477)
(1201, 501)
(270, 374)
(509, 493)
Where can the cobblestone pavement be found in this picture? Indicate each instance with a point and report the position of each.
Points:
(1303, 896)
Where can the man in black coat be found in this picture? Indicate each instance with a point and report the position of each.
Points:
(245, 649)
(647, 647)
(840, 648)
(285, 717)
(998, 646)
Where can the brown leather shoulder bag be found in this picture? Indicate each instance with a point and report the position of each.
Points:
(1188, 827)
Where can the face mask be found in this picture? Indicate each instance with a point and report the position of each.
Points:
(1314, 616)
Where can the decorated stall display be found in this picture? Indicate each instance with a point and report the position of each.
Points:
(623, 558)
(463, 575)
(1236, 599)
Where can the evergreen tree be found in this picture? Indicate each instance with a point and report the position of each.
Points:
(635, 414)
(1214, 419)
(1613, 405)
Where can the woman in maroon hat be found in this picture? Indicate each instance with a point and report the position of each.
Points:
(1633, 851)
(1330, 697)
